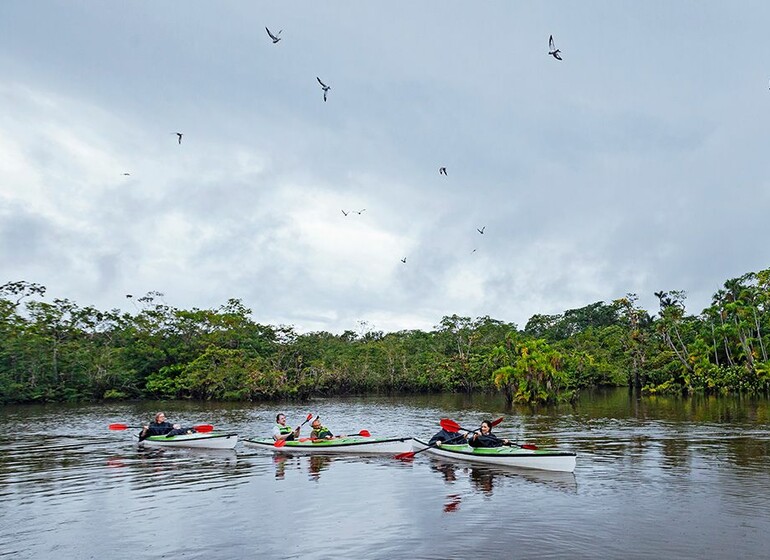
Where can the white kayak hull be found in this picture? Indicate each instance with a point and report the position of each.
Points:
(541, 459)
(353, 444)
(211, 440)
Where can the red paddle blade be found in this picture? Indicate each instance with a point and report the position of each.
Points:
(364, 433)
(309, 416)
(496, 422)
(450, 425)
(279, 443)
(203, 428)
(529, 446)
(119, 426)
(405, 456)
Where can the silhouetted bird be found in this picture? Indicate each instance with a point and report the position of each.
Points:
(481, 231)
(442, 170)
(129, 296)
(178, 136)
(403, 260)
(346, 213)
(127, 174)
(275, 38)
(552, 50)
(359, 211)
(324, 86)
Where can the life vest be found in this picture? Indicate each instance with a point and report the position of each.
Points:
(286, 430)
(323, 432)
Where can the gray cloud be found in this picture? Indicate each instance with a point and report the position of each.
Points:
(635, 164)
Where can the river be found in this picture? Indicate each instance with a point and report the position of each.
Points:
(655, 478)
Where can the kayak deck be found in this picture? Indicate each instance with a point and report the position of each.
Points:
(351, 444)
(207, 440)
(542, 459)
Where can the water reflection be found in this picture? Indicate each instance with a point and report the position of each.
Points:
(707, 460)
(317, 464)
(484, 479)
(314, 465)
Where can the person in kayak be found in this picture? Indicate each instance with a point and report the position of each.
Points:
(282, 431)
(444, 436)
(484, 437)
(162, 427)
(320, 432)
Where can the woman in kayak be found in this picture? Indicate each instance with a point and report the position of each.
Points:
(320, 432)
(161, 427)
(486, 438)
(282, 431)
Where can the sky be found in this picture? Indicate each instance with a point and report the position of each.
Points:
(637, 163)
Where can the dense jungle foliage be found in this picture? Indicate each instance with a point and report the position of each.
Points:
(59, 351)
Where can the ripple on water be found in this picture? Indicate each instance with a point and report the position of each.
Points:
(644, 487)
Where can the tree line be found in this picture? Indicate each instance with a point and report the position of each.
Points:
(60, 351)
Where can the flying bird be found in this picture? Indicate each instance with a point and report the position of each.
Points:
(323, 86)
(359, 211)
(481, 231)
(403, 260)
(275, 38)
(178, 136)
(442, 170)
(127, 174)
(346, 213)
(552, 50)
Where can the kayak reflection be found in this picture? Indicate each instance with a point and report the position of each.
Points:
(485, 479)
(314, 465)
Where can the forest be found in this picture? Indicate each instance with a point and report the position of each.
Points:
(59, 351)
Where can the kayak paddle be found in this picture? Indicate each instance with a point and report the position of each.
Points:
(523, 445)
(362, 433)
(282, 442)
(449, 426)
(202, 428)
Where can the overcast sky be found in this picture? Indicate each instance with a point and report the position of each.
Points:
(637, 163)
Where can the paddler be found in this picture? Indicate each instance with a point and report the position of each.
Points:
(162, 427)
(486, 438)
(282, 431)
(320, 432)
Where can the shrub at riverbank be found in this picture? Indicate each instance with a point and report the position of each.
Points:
(59, 351)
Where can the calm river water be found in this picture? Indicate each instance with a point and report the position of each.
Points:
(655, 478)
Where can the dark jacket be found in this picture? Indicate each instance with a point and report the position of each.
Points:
(490, 440)
(446, 437)
(163, 429)
(158, 429)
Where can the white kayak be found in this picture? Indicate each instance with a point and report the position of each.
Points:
(200, 440)
(542, 459)
(350, 444)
